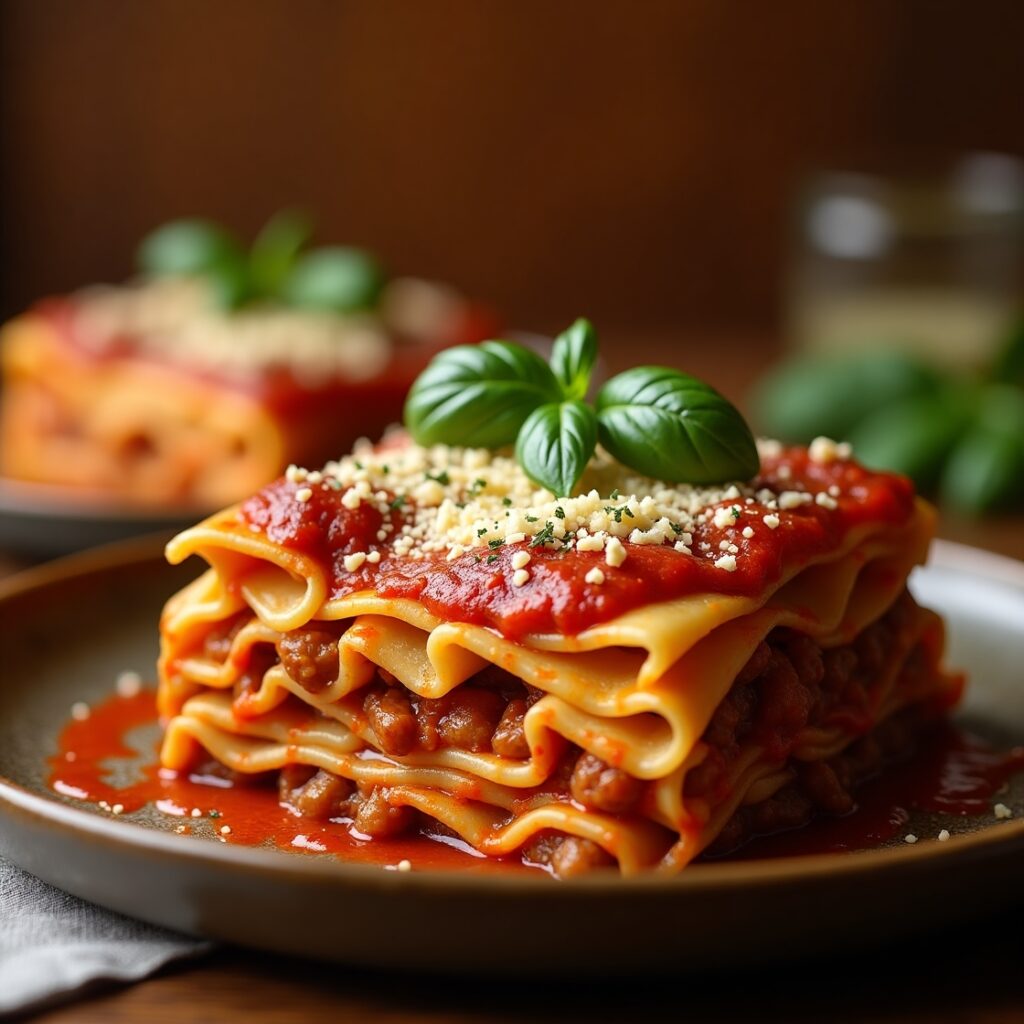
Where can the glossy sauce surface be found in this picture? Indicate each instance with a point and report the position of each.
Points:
(955, 773)
(478, 589)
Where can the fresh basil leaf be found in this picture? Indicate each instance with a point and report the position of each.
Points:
(810, 396)
(276, 248)
(674, 427)
(478, 395)
(914, 436)
(190, 246)
(573, 357)
(334, 278)
(556, 443)
(986, 469)
(229, 283)
(1009, 361)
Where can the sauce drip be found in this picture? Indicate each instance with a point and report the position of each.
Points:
(955, 773)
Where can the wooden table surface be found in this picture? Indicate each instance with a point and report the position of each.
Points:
(962, 974)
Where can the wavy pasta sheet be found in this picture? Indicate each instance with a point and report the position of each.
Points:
(638, 692)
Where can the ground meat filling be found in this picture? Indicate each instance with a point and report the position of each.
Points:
(323, 796)
(602, 787)
(788, 684)
(310, 656)
(481, 718)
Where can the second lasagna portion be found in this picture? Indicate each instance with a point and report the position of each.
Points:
(661, 729)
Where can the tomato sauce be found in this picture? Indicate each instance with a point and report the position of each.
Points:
(479, 589)
(250, 812)
(955, 773)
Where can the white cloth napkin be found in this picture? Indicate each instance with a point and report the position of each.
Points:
(53, 946)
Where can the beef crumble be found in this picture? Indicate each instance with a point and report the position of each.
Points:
(788, 684)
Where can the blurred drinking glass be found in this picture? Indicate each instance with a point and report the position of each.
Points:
(934, 265)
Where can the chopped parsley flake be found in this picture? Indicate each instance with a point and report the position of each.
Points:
(545, 535)
(442, 478)
(560, 512)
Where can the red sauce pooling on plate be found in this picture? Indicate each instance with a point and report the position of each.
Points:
(480, 590)
(251, 813)
(955, 773)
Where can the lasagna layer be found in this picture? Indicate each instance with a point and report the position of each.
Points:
(739, 659)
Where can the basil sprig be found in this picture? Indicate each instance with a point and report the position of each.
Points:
(656, 420)
(277, 267)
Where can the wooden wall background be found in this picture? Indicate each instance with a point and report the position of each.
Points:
(631, 160)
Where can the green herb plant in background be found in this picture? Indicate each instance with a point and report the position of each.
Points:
(276, 268)
(958, 435)
(653, 419)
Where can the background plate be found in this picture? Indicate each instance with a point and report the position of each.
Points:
(46, 521)
(68, 629)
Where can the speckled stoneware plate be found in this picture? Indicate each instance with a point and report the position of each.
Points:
(67, 629)
(45, 521)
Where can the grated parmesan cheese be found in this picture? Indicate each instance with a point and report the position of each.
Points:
(459, 501)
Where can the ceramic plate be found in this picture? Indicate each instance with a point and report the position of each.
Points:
(46, 521)
(69, 628)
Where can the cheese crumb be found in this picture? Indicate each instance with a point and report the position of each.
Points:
(825, 500)
(117, 809)
(80, 711)
(748, 532)
(354, 562)
(351, 499)
(910, 838)
(373, 557)
(129, 684)
(725, 516)
(614, 552)
(196, 813)
(825, 450)
(794, 499)
(521, 559)
(520, 578)
(595, 576)
(771, 521)
(1002, 811)
(304, 494)
(225, 830)
(944, 835)
(726, 562)
(405, 865)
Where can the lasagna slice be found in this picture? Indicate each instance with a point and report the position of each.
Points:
(420, 642)
(151, 393)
